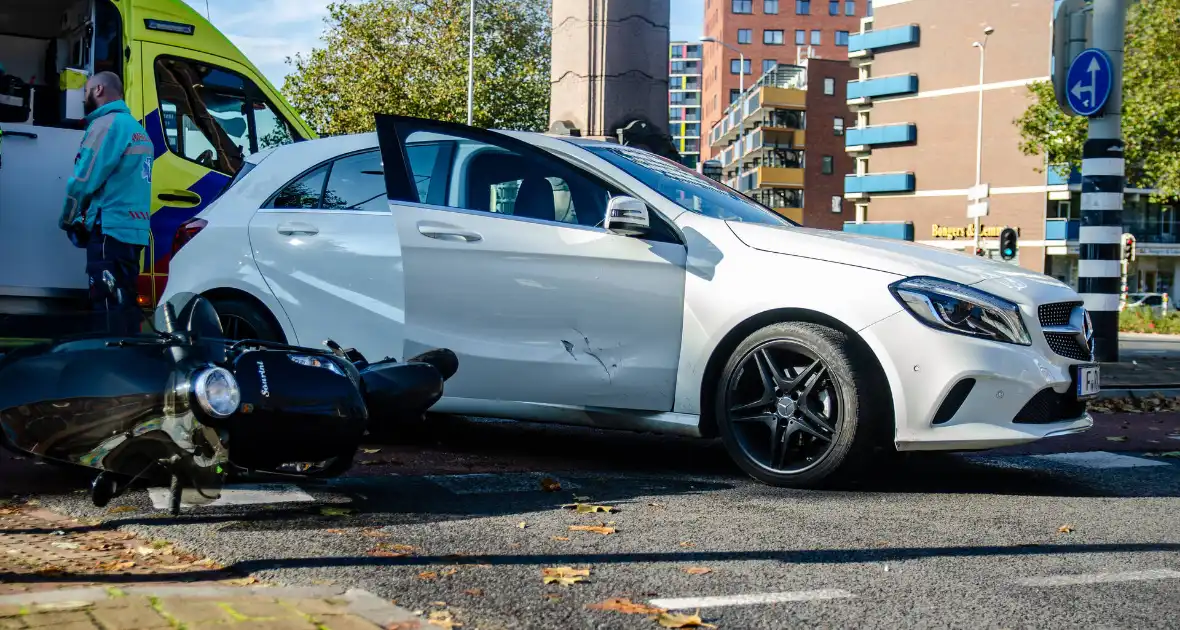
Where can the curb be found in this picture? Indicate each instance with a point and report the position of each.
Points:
(360, 602)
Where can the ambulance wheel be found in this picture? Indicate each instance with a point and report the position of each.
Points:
(242, 320)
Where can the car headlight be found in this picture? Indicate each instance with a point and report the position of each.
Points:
(320, 362)
(217, 392)
(958, 308)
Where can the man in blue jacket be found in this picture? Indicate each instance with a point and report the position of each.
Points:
(108, 203)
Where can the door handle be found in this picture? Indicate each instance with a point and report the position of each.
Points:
(182, 197)
(21, 134)
(291, 229)
(449, 234)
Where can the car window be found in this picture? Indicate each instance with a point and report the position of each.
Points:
(356, 182)
(686, 188)
(1154, 300)
(500, 180)
(303, 193)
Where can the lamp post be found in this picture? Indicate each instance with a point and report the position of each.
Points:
(741, 60)
(471, 63)
(982, 46)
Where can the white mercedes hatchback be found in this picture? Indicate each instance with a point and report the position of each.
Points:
(589, 283)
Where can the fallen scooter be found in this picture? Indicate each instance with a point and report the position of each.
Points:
(180, 404)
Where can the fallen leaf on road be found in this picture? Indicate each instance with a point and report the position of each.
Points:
(246, 581)
(338, 532)
(625, 606)
(549, 484)
(674, 620)
(438, 604)
(386, 550)
(7, 511)
(122, 509)
(403, 625)
(444, 619)
(335, 511)
(1065, 529)
(698, 570)
(583, 508)
(474, 592)
(66, 545)
(1117, 438)
(114, 565)
(145, 551)
(562, 538)
(370, 451)
(597, 529)
(449, 571)
(522, 524)
(428, 575)
(655, 504)
(564, 575)
(374, 532)
(688, 544)
(50, 570)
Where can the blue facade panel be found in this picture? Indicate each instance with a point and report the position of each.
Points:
(884, 134)
(886, 38)
(879, 183)
(902, 231)
(1062, 230)
(884, 86)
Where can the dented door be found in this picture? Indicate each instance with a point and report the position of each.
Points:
(538, 311)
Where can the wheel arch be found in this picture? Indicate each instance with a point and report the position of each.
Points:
(229, 293)
(731, 340)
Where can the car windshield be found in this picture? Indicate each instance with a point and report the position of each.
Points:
(687, 188)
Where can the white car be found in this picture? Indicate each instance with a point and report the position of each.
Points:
(588, 283)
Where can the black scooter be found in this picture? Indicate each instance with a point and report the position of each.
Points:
(180, 404)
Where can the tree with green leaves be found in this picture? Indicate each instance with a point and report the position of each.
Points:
(409, 57)
(1151, 105)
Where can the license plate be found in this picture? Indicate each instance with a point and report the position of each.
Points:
(1088, 382)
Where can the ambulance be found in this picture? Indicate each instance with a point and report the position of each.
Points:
(205, 107)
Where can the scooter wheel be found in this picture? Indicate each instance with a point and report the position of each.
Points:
(103, 489)
(175, 491)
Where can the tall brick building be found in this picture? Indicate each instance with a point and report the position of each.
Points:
(768, 32)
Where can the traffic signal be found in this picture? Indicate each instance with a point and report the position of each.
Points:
(979, 251)
(1008, 243)
(1128, 247)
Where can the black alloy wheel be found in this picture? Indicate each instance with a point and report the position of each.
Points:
(793, 405)
(236, 328)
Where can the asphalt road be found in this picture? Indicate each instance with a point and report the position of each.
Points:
(1136, 346)
(1001, 539)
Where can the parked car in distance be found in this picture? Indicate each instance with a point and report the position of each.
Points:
(1153, 301)
(588, 283)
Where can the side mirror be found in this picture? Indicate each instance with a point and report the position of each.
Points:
(627, 216)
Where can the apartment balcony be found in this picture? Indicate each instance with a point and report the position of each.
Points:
(779, 177)
(784, 201)
(885, 38)
(1062, 229)
(757, 102)
(883, 86)
(858, 137)
(878, 183)
(901, 230)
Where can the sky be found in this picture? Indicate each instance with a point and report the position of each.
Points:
(269, 31)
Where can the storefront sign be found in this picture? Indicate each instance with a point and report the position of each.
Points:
(952, 232)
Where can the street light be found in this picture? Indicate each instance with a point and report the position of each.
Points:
(471, 62)
(741, 60)
(982, 46)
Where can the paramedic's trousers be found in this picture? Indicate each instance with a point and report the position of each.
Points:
(112, 267)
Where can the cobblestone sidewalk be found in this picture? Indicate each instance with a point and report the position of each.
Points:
(57, 572)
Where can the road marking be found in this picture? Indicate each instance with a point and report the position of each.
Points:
(1099, 578)
(245, 494)
(684, 603)
(1100, 459)
(492, 483)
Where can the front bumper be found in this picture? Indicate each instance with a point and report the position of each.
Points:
(1013, 394)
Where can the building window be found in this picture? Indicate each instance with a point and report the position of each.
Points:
(772, 38)
(770, 7)
(837, 204)
(800, 37)
(802, 7)
(849, 7)
(833, 7)
(829, 86)
(841, 38)
(734, 95)
(828, 167)
(838, 126)
(869, 8)
(677, 52)
(768, 65)
(745, 36)
(734, 64)
(694, 51)
(743, 6)
(815, 38)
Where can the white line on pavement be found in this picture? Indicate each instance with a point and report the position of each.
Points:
(1100, 459)
(245, 494)
(683, 603)
(1099, 578)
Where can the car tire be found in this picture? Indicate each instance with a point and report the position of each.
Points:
(840, 381)
(245, 315)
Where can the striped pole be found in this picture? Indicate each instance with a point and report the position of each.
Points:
(1103, 176)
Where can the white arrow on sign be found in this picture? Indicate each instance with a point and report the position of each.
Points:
(1079, 89)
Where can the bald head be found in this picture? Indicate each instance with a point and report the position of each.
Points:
(103, 88)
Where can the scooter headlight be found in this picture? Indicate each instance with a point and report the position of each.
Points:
(217, 392)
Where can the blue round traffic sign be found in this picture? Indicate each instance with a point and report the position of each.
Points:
(1088, 83)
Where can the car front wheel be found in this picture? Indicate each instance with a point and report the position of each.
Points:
(794, 407)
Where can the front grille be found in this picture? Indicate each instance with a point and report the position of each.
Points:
(1064, 344)
(1048, 407)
